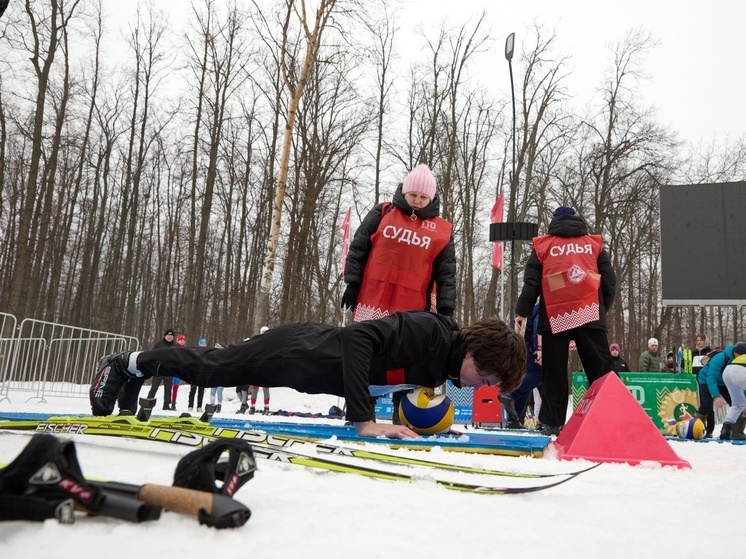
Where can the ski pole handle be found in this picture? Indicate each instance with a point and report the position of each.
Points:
(217, 511)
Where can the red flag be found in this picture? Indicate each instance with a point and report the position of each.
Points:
(345, 238)
(496, 216)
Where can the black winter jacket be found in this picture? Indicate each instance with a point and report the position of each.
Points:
(444, 265)
(565, 226)
(620, 365)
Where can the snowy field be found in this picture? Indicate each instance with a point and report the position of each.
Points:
(613, 511)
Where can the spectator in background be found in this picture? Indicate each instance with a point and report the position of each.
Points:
(216, 392)
(734, 376)
(692, 363)
(572, 272)
(254, 396)
(712, 389)
(167, 341)
(691, 359)
(670, 365)
(181, 341)
(402, 251)
(516, 402)
(620, 364)
(253, 390)
(176, 382)
(199, 390)
(649, 362)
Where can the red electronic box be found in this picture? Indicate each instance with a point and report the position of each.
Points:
(486, 408)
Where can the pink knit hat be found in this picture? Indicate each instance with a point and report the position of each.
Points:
(420, 180)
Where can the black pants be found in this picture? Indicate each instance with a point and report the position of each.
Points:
(709, 417)
(130, 394)
(521, 395)
(593, 349)
(167, 385)
(706, 405)
(200, 395)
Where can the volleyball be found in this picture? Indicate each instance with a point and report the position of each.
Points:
(692, 428)
(425, 412)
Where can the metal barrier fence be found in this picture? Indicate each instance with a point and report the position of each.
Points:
(7, 332)
(51, 359)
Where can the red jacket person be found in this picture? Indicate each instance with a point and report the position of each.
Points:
(571, 271)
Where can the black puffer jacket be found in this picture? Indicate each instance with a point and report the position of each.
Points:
(444, 265)
(565, 226)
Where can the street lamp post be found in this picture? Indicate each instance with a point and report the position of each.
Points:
(509, 48)
(512, 231)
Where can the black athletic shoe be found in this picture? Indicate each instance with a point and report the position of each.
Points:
(111, 375)
(551, 430)
(252, 410)
(266, 410)
(512, 424)
(509, 406)
(243, 408)
(725, 431)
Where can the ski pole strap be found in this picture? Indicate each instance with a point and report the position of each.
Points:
(20, 507)
(45, 481)
(203, 468)
(48, 468)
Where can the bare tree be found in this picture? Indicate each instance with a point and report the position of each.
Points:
(713, 162)
(47, 22)
(219, 62)
(624, 156)
(295, 71)
(330, 126)
(384, 32)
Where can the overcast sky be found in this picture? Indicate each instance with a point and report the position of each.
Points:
(696, 73)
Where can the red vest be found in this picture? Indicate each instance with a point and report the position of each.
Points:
(570, 279)
(400, 264)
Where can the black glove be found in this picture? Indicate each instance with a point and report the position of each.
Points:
(349, 298)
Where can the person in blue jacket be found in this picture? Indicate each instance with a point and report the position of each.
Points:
(515, 403)
(712, 387)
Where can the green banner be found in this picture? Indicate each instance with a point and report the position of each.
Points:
(666, 398)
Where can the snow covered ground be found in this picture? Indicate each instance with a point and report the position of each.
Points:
(613, 511)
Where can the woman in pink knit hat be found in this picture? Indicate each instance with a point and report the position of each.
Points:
(402, 251)
(402, 257)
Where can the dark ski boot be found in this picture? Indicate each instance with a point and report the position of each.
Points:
(513, 419)
(726, 431)
(146, 408)
(736, 432)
